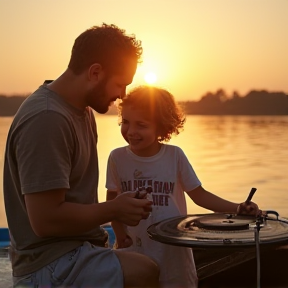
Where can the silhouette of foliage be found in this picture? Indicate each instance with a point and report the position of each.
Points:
(254, 103)
(218, 103)
(10, 104)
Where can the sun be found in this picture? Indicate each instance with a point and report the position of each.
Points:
(150, 77)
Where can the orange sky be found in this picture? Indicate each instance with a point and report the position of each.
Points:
(193, 46)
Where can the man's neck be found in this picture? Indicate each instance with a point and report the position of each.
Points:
(69, 87)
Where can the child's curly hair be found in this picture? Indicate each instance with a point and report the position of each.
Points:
(160, 105)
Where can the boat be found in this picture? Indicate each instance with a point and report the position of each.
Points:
(4, 238)
(223, 258)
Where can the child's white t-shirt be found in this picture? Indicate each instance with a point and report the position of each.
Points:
(169, 173)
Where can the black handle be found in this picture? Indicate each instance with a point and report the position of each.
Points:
(253, 190)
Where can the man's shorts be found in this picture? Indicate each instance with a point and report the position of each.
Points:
(87, 266)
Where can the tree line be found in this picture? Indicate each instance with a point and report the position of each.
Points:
(219, 103)
(254, 103)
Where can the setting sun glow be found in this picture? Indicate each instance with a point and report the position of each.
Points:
(184, 62)
(150, 78)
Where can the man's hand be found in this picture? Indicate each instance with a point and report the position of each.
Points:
(131, 210)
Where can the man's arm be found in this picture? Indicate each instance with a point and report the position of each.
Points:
(50, 215)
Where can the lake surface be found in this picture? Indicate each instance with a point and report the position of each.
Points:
(230, 154)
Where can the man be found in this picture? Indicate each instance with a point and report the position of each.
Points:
(51, 174)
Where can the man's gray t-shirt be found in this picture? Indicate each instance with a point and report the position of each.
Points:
(50, 145)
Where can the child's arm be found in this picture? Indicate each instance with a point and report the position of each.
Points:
(212, 202)
(123, 240)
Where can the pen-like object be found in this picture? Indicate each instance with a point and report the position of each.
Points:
(253, 190)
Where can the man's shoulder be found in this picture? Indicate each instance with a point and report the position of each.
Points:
(37, 100)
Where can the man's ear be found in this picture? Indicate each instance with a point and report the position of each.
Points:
(94, 72)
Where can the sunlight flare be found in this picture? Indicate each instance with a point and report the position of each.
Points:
(150, 78)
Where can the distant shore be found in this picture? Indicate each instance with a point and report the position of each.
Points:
(219, 103)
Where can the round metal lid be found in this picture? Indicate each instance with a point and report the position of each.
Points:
(218, 230)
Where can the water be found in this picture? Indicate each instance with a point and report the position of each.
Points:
(230, 154)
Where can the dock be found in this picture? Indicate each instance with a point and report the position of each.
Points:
(5, 269)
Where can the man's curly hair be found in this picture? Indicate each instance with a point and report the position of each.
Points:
(107, 45)
(160, 105)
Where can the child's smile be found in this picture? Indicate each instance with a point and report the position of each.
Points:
(139, 131)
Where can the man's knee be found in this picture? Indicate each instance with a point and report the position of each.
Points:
(138, 270)
(151, 268)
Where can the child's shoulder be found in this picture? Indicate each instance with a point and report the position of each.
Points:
(119, 150)
(172, 147)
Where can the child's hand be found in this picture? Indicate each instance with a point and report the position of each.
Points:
(124, 242)
(248, 208)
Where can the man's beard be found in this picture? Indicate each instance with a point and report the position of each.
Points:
(97, 98)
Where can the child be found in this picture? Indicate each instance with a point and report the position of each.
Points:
(149, 116)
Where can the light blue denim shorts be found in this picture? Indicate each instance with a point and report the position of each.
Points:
(87, 266)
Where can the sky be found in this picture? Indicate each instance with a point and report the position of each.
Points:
(191, 46)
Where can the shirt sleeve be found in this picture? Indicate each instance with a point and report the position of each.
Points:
(112, 178)
(44, 153)
(188, 177)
